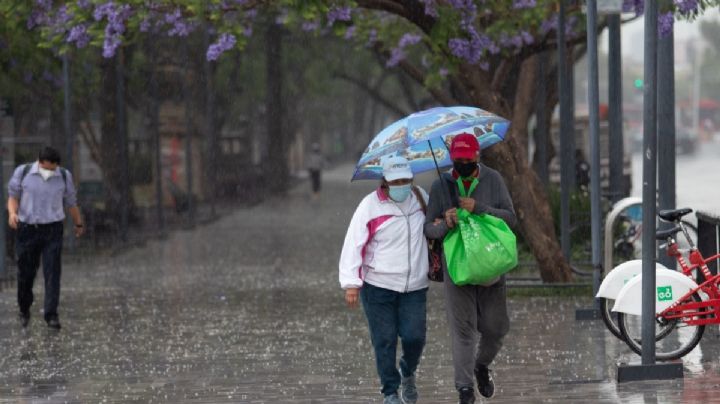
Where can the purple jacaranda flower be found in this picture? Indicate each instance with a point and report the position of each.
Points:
(638, 6)
(372, 37)
(110, 45)
(686, 6)
(527, 37)
(398, 53)
(409, 39)
(517, 41)
(79, 35)
(518, 4)
(443, 72)
(430, 8)
(248, 31)
(339, 14)
(102, 10)
(485, 66)
(549, 24)
(145, 25)
(350, 32)
(459, 47)
(28, 77)
(310, 25)
(665, 23)
(224, 43)
(83, 3)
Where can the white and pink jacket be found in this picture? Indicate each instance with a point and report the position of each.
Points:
(385, 245)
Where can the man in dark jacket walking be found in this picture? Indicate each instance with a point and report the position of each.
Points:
(37, 194)
(477, 314)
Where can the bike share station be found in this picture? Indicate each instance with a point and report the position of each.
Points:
(650, 298)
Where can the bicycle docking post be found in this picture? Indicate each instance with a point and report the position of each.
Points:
(655, 371)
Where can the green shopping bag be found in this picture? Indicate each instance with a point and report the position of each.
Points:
(480, 248)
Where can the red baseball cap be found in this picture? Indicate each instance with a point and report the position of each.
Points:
(464, 146)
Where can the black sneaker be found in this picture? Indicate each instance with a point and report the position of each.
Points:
(486, 386)
(467, 395)
(53, 323)
(24, 319)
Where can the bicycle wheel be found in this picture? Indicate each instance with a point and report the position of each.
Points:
(609, 317)
(673, 338)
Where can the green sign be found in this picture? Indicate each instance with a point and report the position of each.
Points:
(664, 293)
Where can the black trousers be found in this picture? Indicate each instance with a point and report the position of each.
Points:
(33, 243)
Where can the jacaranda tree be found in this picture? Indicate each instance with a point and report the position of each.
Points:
(472, 52)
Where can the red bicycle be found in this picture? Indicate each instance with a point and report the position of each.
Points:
(684, 305)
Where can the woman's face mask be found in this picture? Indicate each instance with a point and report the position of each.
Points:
(399, 193)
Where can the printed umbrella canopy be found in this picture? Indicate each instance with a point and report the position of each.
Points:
(424, 138)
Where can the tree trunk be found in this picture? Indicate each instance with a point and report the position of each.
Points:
(528, 194)
(110, 143)
(275, 160)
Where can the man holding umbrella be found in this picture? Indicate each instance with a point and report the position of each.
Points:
(477, 314)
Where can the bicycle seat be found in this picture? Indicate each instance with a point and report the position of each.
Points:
(665, 234)
(672, 215)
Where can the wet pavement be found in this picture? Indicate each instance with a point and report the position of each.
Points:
(248, 309)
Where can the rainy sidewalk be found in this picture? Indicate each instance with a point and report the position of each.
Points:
(247, 309)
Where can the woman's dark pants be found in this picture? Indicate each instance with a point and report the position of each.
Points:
(391, 314)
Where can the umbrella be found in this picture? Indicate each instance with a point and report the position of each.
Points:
(423, 138)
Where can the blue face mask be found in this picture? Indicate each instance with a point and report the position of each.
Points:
(399, 193)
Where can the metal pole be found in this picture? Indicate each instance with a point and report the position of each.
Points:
(3, 233)
(69, 138)
(566, 132)
(123, 143)
(541, 134)
(666, 131)
(649, 184)
(594, 126)
(67, 126)
(187, 94)
(615, 146)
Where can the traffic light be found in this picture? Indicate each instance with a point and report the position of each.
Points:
(639, 84)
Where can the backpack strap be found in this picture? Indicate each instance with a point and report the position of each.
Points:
(420, 199)
(25, 171)
(28, 166)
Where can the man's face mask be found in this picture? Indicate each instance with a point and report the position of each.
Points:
(45, 173)
(464, 169)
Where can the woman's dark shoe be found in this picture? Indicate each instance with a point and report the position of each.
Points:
(467, 395)
(54, 323)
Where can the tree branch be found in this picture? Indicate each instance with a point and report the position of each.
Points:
(411, 10)
(373, 93)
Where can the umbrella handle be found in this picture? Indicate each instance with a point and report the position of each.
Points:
(446, 192)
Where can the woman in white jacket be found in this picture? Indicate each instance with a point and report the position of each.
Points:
(384, 264)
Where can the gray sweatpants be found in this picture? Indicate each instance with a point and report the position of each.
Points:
(478, 321)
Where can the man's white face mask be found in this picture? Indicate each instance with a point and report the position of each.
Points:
(45, 173)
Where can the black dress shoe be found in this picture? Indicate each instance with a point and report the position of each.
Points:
(54, 323)
(24, 319)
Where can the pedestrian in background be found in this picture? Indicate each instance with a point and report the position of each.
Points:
(38, 193)
(477, 314)
(384, 264)
(315, 164)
